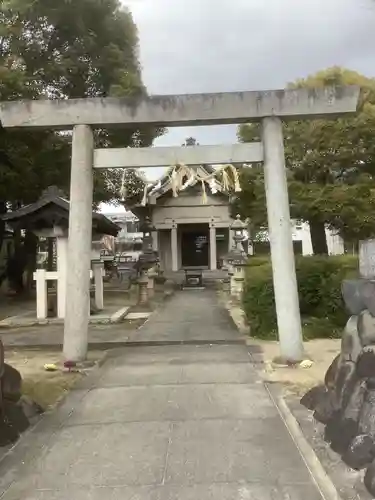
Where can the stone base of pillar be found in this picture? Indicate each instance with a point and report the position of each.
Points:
(151, 287)
(236, 288)
(143, 296)
(237, 282)
(226, 284)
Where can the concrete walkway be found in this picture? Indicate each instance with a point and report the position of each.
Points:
(164, 423)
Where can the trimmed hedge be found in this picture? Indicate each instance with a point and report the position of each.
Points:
(319, 284)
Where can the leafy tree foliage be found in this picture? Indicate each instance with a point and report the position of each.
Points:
(330, 166)
(64, 49)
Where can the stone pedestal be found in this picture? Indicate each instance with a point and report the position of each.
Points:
(151, 275)
(143, 290)
(226, 284)
(237, 282)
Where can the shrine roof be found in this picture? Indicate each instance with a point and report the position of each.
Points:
(53, 203)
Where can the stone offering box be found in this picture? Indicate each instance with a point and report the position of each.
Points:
(193, 278)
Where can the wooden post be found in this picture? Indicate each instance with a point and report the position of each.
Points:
(40, 277)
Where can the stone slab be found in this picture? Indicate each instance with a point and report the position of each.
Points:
(180, 355)
(227, 460)
(162, 403)
(24, 321)
(138, 315)
(185, 332)
(180, 110)
(119, 315)
(153, 374)
(119, 455)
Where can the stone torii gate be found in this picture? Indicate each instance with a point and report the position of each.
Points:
(267, 107)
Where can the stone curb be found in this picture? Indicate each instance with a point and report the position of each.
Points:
(237, 319)
(100, 319)
(104, 346)
(322, 480)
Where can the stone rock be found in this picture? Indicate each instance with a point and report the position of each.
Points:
(369, 479)
(368, 294)
(313, 397)
(14, 415)
(11, 383)
(367, 416)
(352, 294)
(365, 366)
(361, 452)
(8, 433)
(366, 328)
(350, 344)
(325, 409)
(355, 403)
(346, 380)
(331, 374)
(342, 434)
(12, 422)
(346, 402)
(332, 426)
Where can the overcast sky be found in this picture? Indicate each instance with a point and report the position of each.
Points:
(189, 46)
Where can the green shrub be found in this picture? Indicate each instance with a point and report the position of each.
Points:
(259, 261)
(319, 285)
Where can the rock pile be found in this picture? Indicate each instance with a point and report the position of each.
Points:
(345, 404)
(16, 411)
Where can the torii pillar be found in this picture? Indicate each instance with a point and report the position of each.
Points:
(79, 246)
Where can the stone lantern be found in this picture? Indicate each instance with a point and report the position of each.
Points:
(237, 258)
(147, 260)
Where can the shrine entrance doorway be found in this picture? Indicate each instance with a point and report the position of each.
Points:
(194, 245)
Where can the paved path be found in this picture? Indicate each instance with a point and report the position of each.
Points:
(164, 423)
(189, 316)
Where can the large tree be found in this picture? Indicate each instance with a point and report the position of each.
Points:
(330, 166)
(64, 49)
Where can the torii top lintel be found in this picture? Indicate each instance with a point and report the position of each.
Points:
(180, 110)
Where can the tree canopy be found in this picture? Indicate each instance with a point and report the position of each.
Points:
(330, 166)
(65, 49)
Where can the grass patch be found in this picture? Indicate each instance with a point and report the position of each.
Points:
(49, 388)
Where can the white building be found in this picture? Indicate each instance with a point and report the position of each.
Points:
(301, 232)
(302, 240)
(129, 224)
